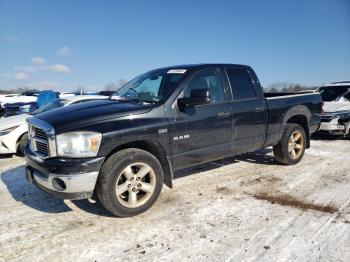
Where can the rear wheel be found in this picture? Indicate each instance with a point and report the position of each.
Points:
(291, 148)
(130, 182)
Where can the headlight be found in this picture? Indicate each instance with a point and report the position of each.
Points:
(78, 144)
(7, 130)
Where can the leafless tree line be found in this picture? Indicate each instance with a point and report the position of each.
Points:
(282, 87)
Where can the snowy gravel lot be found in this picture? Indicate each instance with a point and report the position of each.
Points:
(241, 208)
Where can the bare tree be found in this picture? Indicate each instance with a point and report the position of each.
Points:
(18, 90)
(110, 87)
(282, 87)
(121, 82)
(80, 90)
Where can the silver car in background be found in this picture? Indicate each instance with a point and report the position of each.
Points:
(336, 109)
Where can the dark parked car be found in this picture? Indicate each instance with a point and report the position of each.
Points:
(125, 148)
(13, 109)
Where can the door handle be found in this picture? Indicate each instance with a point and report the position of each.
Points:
(223, 114)
(259, 109)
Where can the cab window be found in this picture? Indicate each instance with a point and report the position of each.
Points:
(208, 79)
(241, 83)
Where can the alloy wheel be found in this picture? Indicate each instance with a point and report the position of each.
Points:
(135, 185)
(295, 145)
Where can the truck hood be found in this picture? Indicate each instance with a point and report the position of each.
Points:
(332, 107)
(13, 121)
(89, 112)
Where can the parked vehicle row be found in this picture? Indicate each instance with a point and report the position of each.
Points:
(14, 130)
(124, 148)
(22, 100)
(27, 102)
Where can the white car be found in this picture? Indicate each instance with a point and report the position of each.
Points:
(66, 94)
(14, 129)
(17, 99)
(9, 99)
(3, 97)
(335, 119)
(3, 100)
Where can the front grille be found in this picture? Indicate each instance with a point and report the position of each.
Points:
(42, 138)
(39, 141)
(40, 133)
(42, 148)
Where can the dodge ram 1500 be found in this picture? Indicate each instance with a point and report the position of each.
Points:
(125, 148)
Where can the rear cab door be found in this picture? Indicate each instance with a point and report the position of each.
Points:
(249, 109)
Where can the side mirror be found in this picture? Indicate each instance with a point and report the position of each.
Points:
(198, 97)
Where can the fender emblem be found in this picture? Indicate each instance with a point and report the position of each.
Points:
(176, 138)
(162, 131)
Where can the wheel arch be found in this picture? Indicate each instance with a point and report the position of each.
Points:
(18, 142)
(155, 149)
(300, 115)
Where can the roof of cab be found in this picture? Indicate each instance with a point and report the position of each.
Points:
(195, 66)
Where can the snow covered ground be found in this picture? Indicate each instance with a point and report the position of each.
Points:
(241, 208)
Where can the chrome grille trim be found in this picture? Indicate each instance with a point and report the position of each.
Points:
(40, 133)
(43, 133)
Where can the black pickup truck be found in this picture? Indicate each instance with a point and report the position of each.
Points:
(124, 149)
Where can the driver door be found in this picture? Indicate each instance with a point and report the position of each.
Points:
(202, 132)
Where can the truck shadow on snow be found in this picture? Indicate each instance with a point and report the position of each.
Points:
(29, 195)
(261, 157)
(22, 191)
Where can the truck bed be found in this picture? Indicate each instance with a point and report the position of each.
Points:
(270, 94)
(280, 105)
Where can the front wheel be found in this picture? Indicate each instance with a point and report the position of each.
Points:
(130, 182)
(291, 148)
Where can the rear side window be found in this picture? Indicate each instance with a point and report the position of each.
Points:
(241, 83)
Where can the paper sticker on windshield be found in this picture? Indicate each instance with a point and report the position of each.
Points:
(176, 71)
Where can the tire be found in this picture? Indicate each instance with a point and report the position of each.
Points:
(121, 170)
(283, 151)
(22, 144)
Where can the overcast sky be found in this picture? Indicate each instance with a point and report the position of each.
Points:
(62, 44)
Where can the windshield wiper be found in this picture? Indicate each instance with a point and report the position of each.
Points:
(130, 99)
(125, 99)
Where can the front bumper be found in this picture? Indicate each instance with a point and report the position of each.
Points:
(334, 127)
(63, 178)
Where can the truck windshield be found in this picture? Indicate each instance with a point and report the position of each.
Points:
(49, 106)
(333, 93)
(152, 87)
